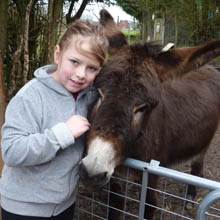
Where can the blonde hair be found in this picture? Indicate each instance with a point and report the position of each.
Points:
(90, 31)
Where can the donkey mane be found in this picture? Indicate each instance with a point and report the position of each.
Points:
(130, 57)
(147, 49)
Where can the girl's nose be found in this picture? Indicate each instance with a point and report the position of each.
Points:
(81, 73)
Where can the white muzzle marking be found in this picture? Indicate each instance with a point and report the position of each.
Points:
(100, 158)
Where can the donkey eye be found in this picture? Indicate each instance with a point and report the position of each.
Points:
(142, 108)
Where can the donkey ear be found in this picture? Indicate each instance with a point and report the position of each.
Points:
(115, 37)
(177, 62)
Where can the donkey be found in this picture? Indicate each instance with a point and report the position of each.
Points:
(153, 104)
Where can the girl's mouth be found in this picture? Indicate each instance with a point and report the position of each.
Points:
(75, 83)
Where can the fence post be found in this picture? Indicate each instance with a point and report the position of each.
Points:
(143, 194)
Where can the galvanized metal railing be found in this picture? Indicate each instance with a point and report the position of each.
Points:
(154, 168)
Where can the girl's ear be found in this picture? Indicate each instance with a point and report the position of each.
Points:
(57, 54)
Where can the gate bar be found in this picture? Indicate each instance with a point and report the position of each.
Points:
(143, 194)
(154, 168)
(209, 199)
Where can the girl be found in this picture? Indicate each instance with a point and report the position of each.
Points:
(42, 138)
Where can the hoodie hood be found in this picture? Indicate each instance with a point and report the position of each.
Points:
(43, 74)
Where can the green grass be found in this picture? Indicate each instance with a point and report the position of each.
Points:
(135, 35)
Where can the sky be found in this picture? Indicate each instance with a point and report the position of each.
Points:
(92, 12)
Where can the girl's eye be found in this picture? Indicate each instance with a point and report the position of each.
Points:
(74, 61)
(92, 68)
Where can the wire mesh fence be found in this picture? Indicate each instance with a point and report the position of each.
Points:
(171, 196)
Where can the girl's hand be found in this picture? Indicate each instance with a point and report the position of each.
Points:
(78, 125)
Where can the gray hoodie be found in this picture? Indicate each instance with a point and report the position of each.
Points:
(41, 156)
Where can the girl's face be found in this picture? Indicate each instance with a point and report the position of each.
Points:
(75, 71)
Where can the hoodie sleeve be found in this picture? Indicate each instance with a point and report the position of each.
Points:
(23, 143)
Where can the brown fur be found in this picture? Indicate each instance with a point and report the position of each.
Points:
(176, 97)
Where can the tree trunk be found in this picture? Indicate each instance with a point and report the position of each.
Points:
(164, 26)
(68, 15)
(144, 25)
(176, 29)
(2, 94)
(26, 38)
(3, 25)
(16, 68)
(149, 26)
(55, 9)
(2, 106)
(78, 14)
(80, 11)
(16, 75)
(49, 34)
(204, 26)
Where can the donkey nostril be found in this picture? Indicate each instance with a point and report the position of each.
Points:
(100, 177)
(92, 179)
(103, 176)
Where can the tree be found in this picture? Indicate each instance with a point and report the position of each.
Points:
(3, 25)
(55, 9)
(69, 18)
(3, 48)
(2, 106)
(132, 7)
(26, 39)
(141, 12)
(2, 94)
(78, 14)
(201, 23)
(24, 8)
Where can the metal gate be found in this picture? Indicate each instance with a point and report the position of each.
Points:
(171, 195)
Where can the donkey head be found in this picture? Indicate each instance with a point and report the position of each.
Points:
(130, 85)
